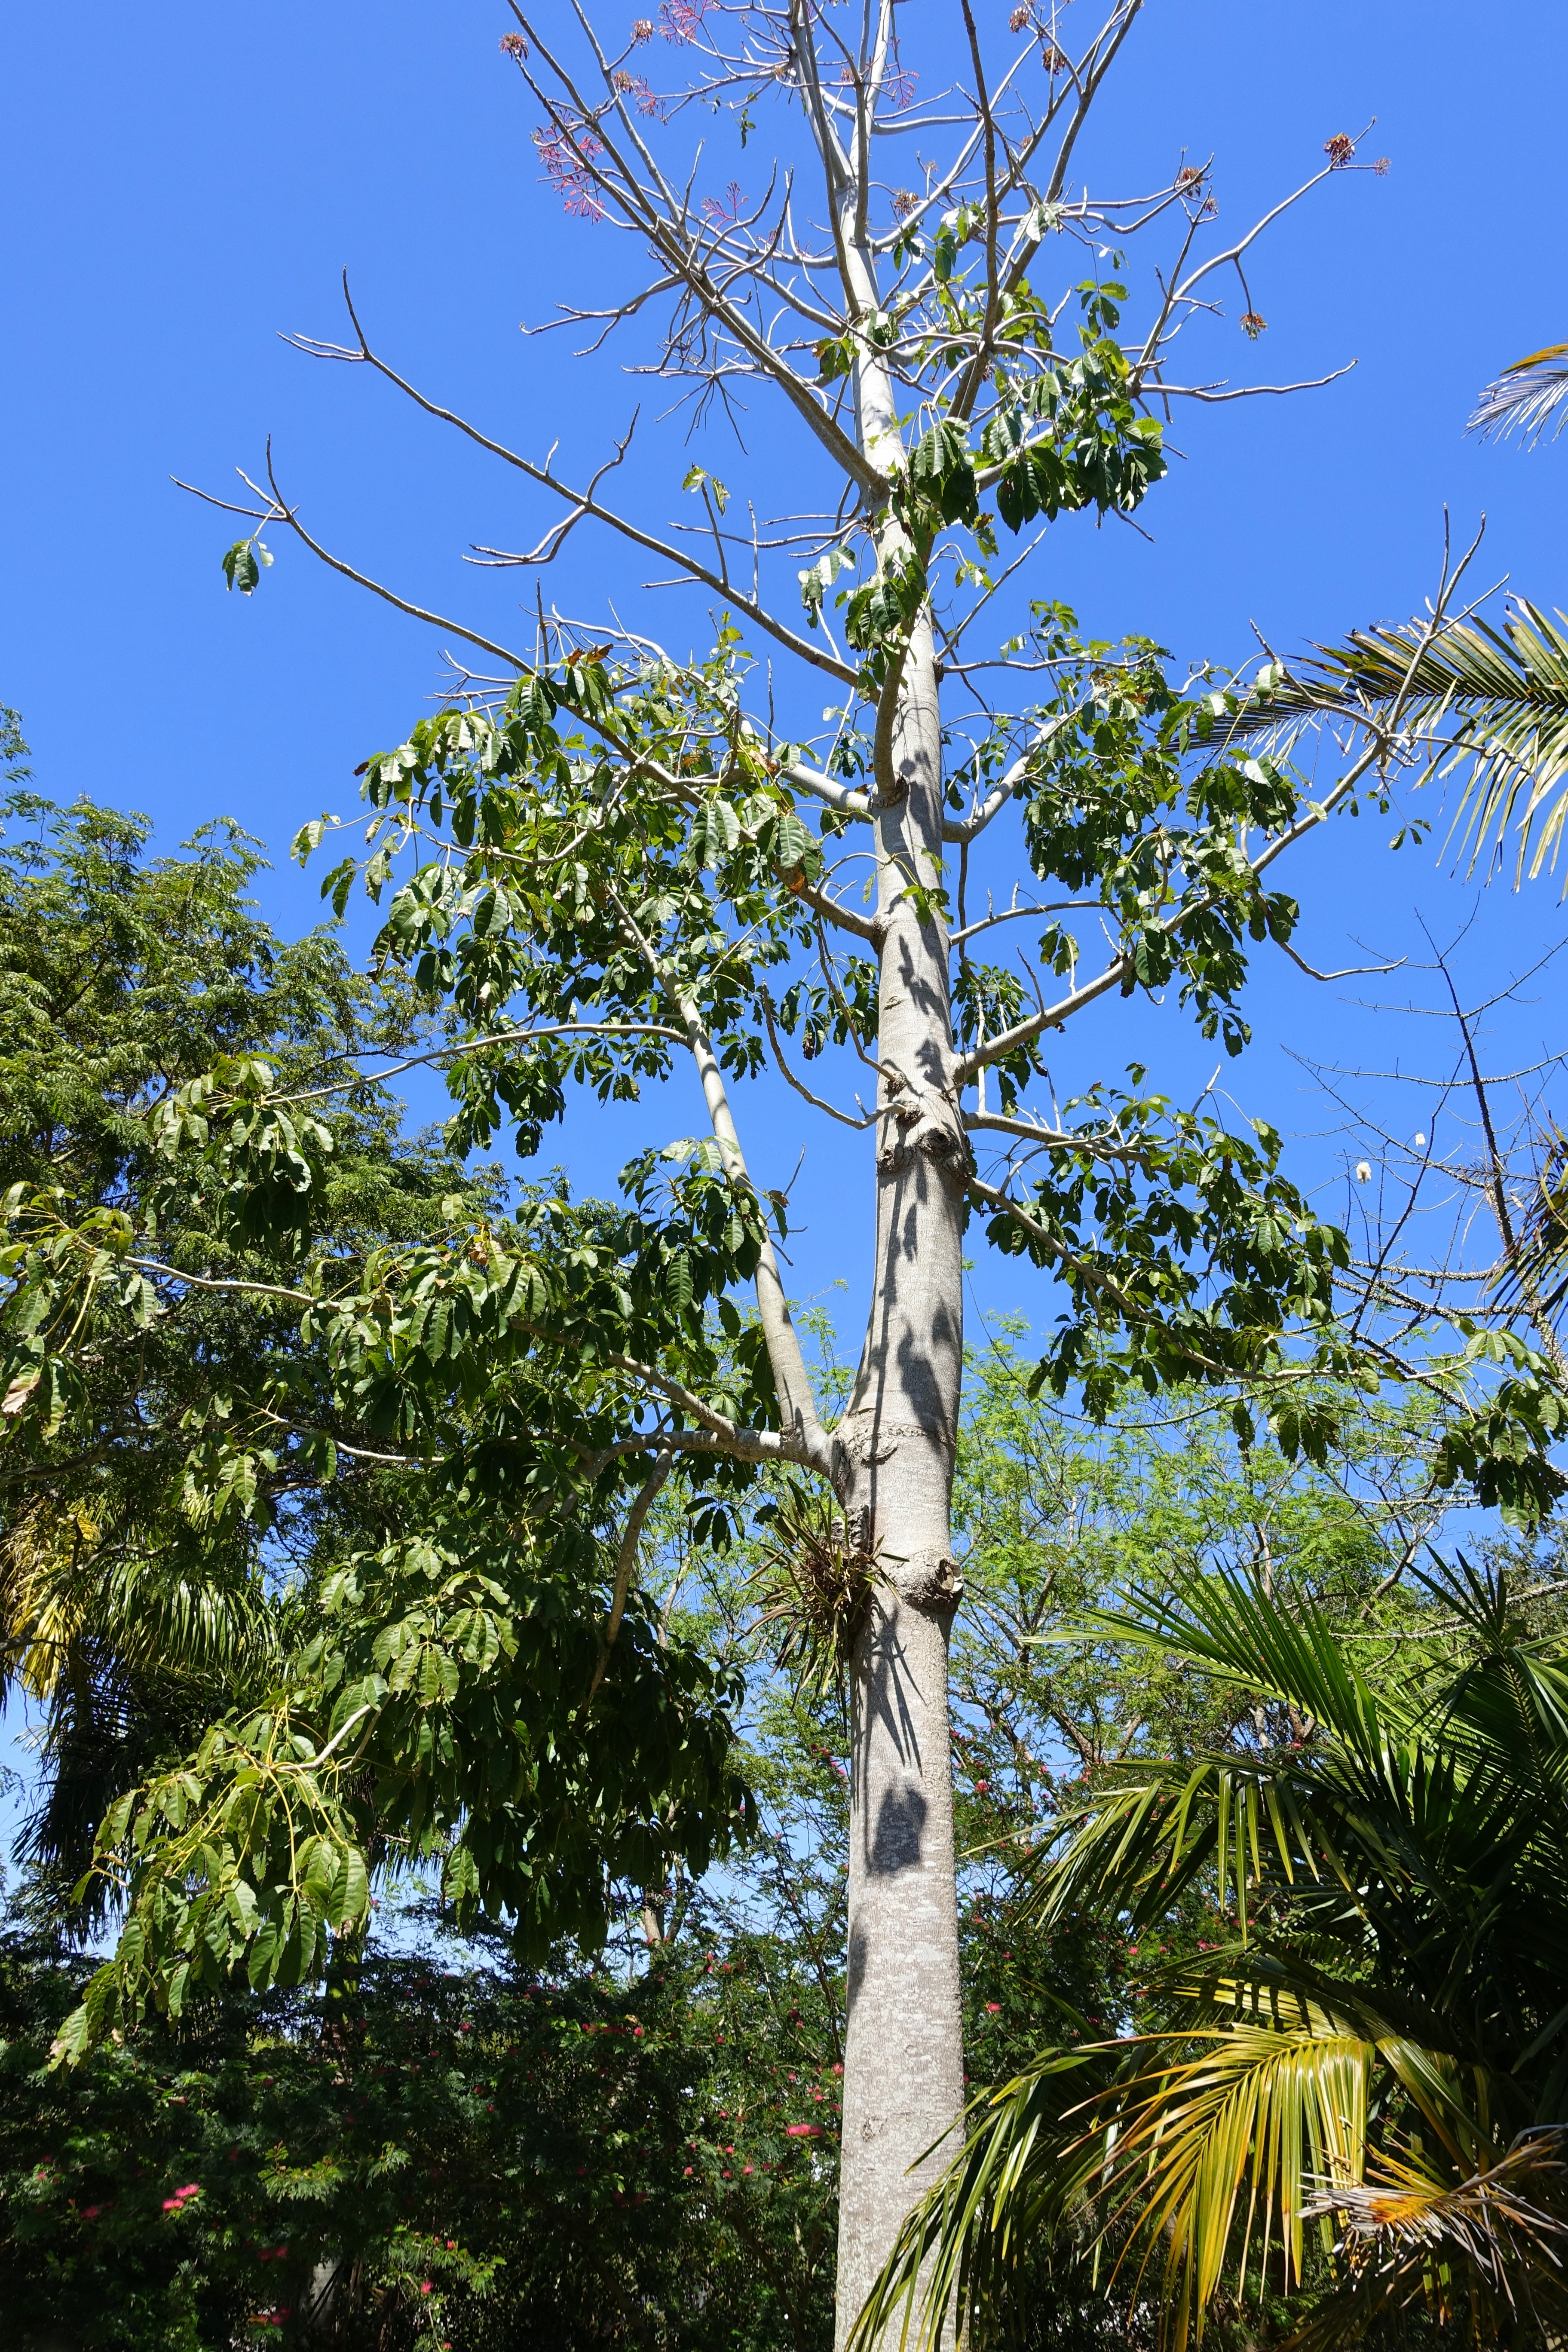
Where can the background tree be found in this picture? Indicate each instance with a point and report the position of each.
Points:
(612, 869)
(202, 1521)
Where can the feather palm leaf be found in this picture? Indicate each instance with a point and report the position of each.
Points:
(1527, 396)
(1385, 2032)
(1487, 702)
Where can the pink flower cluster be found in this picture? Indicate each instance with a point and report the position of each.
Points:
(565, 157)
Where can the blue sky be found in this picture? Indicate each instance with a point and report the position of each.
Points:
(183, 184)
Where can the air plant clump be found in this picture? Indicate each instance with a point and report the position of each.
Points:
(813, 1583)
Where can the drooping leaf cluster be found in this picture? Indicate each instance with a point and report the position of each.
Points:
(306, 1546)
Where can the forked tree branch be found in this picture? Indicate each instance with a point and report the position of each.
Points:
(583, 501)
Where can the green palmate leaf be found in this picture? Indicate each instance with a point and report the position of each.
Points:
(398, 1726)
(942, 470)
(879, 614)
(240, 567)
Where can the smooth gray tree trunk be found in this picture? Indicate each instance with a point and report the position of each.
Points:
(903, 2079)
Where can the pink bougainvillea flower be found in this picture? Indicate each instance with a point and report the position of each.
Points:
(802, 2131)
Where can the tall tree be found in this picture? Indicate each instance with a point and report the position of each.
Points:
(613, 873)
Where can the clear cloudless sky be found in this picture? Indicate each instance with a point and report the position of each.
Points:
(181, 183)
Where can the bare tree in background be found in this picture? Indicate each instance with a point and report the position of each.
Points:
(1460, 1226)
(915, 278)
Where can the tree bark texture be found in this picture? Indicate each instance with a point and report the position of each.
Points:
(903, 2077)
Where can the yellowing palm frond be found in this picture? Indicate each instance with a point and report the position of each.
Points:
(1214, 2157)
(71, 1586)
(1396, 1873)
(1488, 2244)
(1219, 2158)
(45, 1575)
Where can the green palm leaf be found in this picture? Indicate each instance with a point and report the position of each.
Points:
(1025, 2176)
(1397, 1874)
(1489, 702)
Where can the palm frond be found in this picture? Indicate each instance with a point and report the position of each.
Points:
(1024, 2177)
(1212, 2158)
(1227, 1625)
(1211, 2151)
(1217, 2159)
(1528, 394)
(70, 1584)
(1503, 1713)
(1137, 1846)
(1431, 1825)
(1489, 703)
(1404, 1865)
(1490, 2243)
